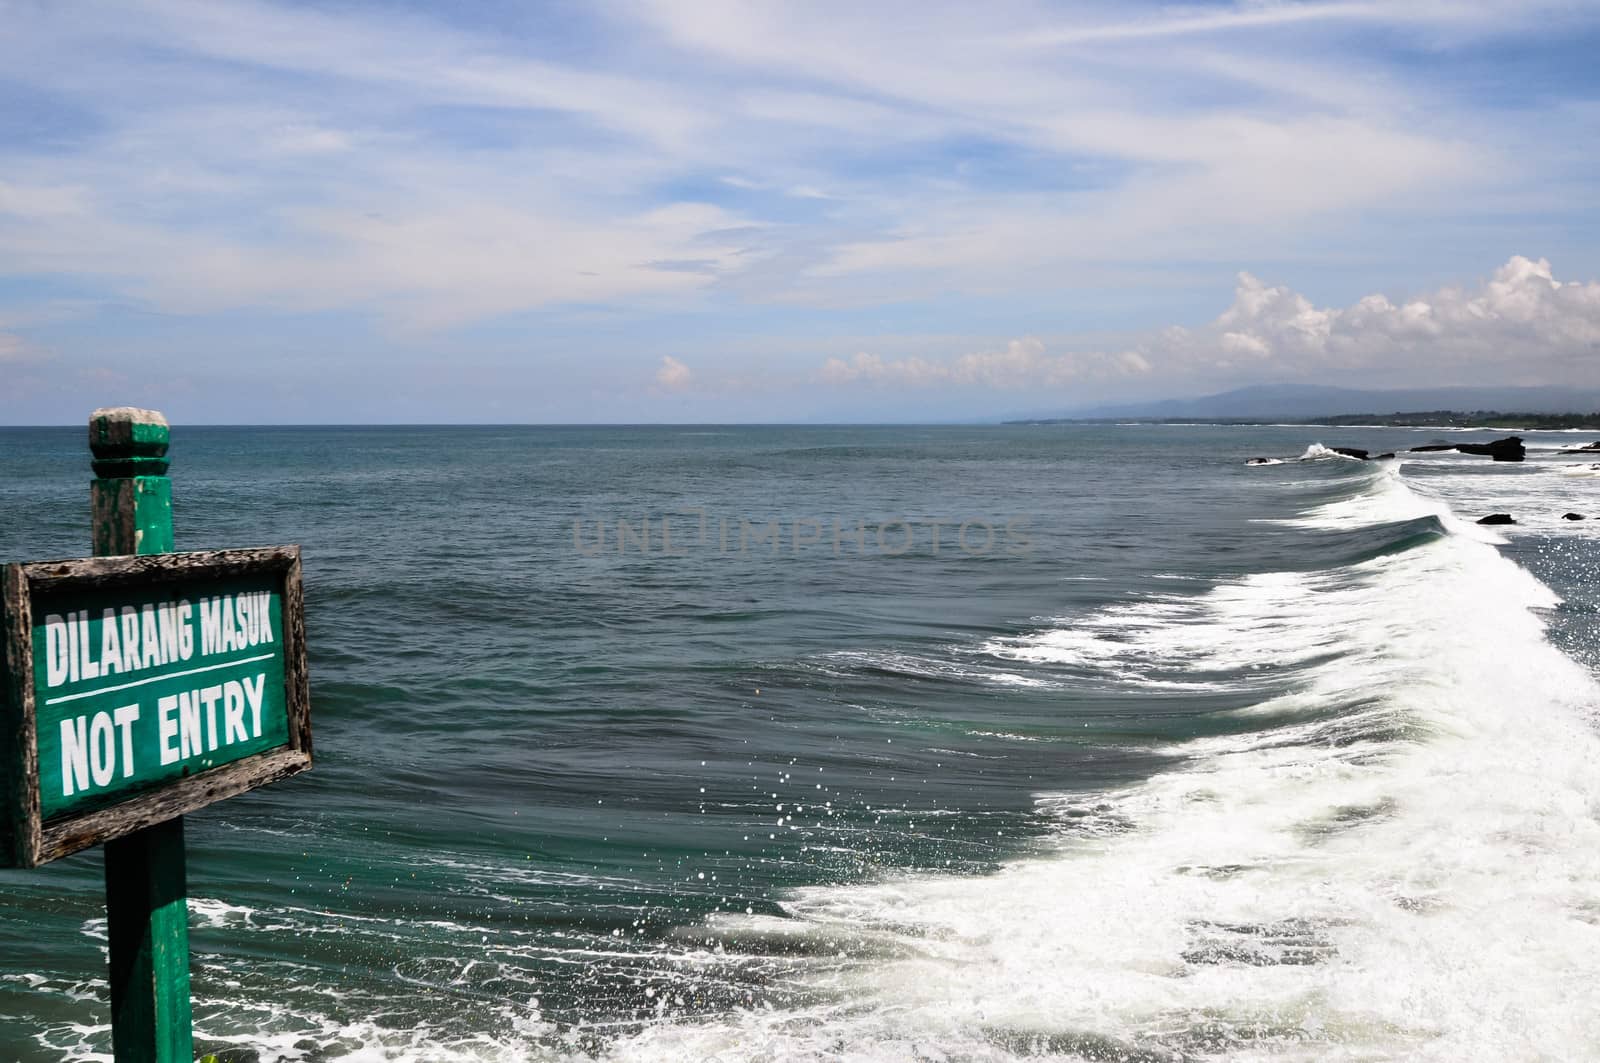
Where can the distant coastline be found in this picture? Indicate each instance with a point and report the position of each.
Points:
(1452, 419)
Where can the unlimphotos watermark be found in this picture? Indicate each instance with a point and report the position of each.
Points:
(678, 533)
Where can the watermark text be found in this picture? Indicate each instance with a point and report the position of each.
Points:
(679, 533)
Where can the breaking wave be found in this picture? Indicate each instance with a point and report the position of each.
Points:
(1395, 853)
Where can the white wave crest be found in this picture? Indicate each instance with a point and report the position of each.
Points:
(1317, 452)
(1403, 861)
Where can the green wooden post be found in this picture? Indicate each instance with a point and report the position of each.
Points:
(147, 912)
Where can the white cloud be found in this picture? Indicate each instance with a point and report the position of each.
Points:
(1171, 22)
(298, 138)
(1202, 183)
(728, 85)
(1022, 363)
(1521, 325)
(439, 169)
(673, 374)
(443, 247)
(41, 201)
(1522, 318)
(415, 58)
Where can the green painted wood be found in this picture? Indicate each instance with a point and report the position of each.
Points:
(147, 924)
(131, 515)
(146, 898)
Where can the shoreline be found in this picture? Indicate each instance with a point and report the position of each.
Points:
(1448, 421)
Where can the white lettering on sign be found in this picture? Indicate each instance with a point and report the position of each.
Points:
(102, 749)
(188, 723)
(152, 635)
(110, 644)
(124, 718)
(252, 693)
(109, 653)
(96, 747)
(57, 665)
(168, 727)
(130, 639)
(233, 714)
(235, 622)
(74, 755)
(90, 747)
(83, 663)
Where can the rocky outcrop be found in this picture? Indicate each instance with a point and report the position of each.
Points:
(1350, 452)
(1497, 518)
(1508, 449)
(1573, 516)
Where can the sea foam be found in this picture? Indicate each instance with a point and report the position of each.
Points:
(1405, 861)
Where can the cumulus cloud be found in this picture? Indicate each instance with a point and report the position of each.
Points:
(673, 374)
(1523, 315)
(1521, 324)
(1022, 363)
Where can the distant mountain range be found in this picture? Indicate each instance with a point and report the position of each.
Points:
(1265, 402)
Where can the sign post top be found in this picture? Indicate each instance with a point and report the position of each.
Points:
(128, 441)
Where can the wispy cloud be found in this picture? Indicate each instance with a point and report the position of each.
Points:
(1019, 365)
(1178, 22)
(42, 202)
(707, 176)
(346, 187)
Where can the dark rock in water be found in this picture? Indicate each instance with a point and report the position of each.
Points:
(1497, 518)
(1382, 457)
(1259, 461)
(1508, 449)
(1350, 452)
(1573, 516)
(1588, 449)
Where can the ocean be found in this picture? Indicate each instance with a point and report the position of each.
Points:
(881, 743)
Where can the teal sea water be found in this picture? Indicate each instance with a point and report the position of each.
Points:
(697, 743)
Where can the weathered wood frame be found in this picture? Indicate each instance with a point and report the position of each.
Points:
(32, 842)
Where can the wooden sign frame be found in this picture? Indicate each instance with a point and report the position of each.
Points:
(31, 842)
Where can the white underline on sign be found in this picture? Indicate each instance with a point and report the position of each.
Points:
(157, 679)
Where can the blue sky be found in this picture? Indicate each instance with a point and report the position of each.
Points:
(705, 211)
